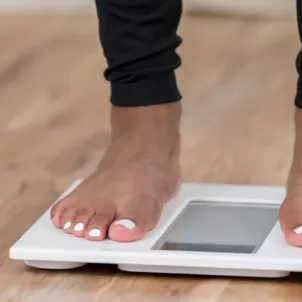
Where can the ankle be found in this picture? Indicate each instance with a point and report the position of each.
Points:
(297, 156)
(150, 119)
(147, 133)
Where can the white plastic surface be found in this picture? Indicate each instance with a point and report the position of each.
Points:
(43, 242)
(203, 271)
(52, 265)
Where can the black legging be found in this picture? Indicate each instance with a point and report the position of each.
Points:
(139, 40)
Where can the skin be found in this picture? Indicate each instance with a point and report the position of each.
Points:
(140, 171)
(290, 214)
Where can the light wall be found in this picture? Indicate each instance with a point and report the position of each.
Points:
(47, 5)
(261, 7)
(278, 7)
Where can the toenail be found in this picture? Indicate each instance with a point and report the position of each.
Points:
(129, 224)
(79, 227)
(95, 233)
(298, 230)
(67, 225)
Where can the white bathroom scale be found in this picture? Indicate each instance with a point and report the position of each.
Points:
(222, 230)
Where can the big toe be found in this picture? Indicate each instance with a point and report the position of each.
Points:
(291, 222)
(126, 230)
(134, 222)
(294, 237)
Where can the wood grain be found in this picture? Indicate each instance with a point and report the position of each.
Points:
(238, 80)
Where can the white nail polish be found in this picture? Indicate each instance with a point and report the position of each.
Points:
(129, 224)
(67, 225)
(298, 230)
(79, 227)
(95, 233)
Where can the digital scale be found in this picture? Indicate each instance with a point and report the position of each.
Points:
(222, 230)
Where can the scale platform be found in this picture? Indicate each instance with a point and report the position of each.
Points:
(222, 230)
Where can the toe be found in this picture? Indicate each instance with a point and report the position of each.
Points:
(59, 209)
(291, 222)
(98, 227)
(81, 222)
(293, 236)
(126, 229)
(67, 219)
(56, 214)
(133, 223)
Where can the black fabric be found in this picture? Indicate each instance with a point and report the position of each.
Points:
(139, 40)
(298, 99)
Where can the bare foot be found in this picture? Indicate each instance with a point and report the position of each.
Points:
(139, 172)
(291, 210)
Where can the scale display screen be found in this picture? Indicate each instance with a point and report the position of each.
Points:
(220, 227)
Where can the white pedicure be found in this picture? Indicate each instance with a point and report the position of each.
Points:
(79, 227)
(129, 224)
(298, 230)
(95, 233)
(67, 225)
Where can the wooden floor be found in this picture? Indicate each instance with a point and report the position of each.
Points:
(238, 82)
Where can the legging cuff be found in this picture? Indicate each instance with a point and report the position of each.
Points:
(148, 90)
(298, 98)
